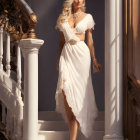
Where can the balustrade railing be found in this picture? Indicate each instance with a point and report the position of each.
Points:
(18, 99)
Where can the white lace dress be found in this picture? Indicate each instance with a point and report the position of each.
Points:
(75, 77)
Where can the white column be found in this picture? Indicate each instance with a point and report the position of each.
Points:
(1, 48)
(19, 76)
(8, 57)
(30, 49)
(113, 70)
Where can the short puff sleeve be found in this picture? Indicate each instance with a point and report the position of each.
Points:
(91, 22)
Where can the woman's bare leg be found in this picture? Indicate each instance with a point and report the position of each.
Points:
(72, 122)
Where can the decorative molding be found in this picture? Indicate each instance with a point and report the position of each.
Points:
(30, 46)
(17, 19)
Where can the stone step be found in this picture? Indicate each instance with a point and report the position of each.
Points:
(53, 135)
(64, 135)
(62, 125)
(55, 116)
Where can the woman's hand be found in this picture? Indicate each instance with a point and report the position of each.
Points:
(97, 65)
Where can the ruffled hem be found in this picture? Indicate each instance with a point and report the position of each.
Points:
(63, 84)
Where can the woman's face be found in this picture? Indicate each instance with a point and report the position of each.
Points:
(78, 3)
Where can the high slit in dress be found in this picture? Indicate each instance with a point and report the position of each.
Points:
(75, 77)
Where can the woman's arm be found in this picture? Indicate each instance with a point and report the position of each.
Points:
(60, 47)
(90, 43)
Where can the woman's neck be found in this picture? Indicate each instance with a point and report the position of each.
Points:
(76, 10)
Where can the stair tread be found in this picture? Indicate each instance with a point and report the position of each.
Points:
(64, 135)
(62, 125)
(43, 131)
(53, 115)
(43, 121)
(51, 126)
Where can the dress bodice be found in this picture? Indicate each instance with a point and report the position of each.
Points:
(86, 23)
(69, 33)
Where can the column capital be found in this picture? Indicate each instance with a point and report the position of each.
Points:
(30, 45)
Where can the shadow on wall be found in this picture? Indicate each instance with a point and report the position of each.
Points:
(48, 12)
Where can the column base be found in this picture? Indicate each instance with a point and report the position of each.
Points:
(113, 137)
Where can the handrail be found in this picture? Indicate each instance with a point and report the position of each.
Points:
(18, 19)
(17, 23)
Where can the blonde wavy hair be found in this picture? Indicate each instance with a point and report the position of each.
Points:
(67, 10)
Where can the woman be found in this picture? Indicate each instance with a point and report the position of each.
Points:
(74, 94)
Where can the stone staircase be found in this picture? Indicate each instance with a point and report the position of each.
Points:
(52, 127)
